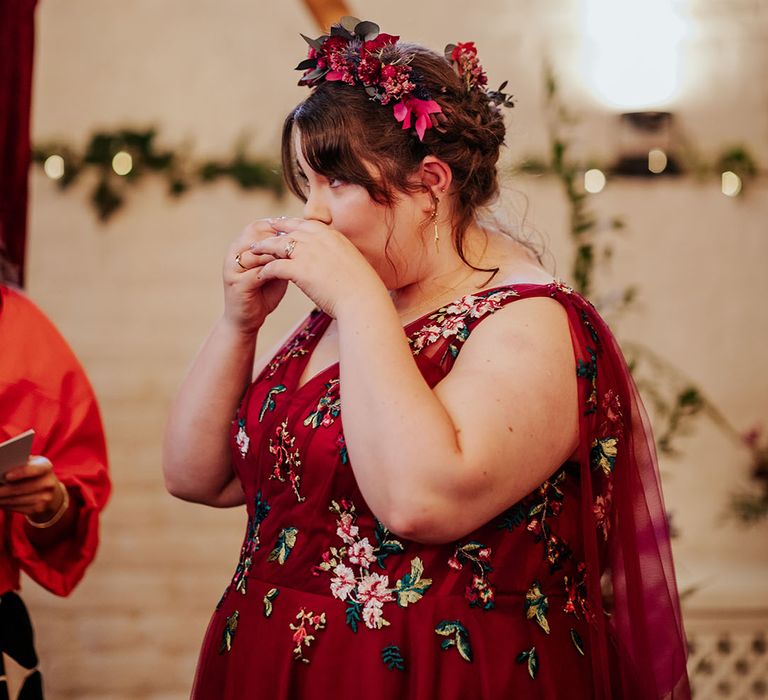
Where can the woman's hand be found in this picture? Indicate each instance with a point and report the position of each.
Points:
(322, 262)
(248, 297)
(32, 490)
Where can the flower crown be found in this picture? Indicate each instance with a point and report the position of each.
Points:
(353, 53)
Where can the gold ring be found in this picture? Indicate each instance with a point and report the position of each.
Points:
(289, 248)
(237, 260)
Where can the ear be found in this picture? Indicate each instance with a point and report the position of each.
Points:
(436, 175)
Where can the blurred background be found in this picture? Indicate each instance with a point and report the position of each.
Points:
(636, 154)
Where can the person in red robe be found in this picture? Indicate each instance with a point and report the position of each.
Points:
(49, 507)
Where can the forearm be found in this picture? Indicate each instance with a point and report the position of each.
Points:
(196, 458)
(403, 443)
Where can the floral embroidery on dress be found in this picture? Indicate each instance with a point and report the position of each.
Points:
(228, 634)
(603, 454)
(294, 348)
(531, 658)
(365, 592)
(456, 635)
(560, 286)
(602, 509)
(328, 408)
(451, 321)
(342, 445)
(308, 622)
(536, 606)
(393, 658)
(269, 597)
(269, 403)
(588, 370)
(480, 593)
(576, 593)
(250, 545)
(242, 440)
(546, 502)
(286, 541)
(287, 459)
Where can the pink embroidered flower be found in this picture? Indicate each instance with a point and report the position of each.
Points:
(373, 616)
(300, 634)
(484, 554)
(374, 587)
(455, 564)
(343, 583)
(361, 553)
(347, 530)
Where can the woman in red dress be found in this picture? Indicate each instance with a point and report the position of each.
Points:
(450, 487)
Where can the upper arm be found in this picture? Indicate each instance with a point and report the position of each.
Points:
(512, 398)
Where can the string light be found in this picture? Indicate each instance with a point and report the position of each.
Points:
(594, 181)
(54, 167)
(657, 161)
(731, 183)
(122, 163)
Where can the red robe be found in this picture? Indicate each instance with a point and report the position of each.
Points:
(43, 386)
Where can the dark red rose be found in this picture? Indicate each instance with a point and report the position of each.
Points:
(379, 42)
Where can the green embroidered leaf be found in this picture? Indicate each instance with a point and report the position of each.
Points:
(533, 661)
(386, 545)
(392, 658)
(577, 642)
(353, 615)
(269, 401)
(512, 518)
(456, 635)
(286, 541)
(603, 454)
(271, 594)
(411, 588)
(228, 634)
(536, 606)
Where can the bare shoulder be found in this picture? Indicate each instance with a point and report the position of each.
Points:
(538, 324)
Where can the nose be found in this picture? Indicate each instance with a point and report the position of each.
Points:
(316, 208)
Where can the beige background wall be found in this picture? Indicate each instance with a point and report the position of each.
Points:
(136, 297)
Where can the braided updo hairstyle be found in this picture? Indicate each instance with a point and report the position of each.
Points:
(341, 129)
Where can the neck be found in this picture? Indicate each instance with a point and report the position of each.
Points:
(444, 275)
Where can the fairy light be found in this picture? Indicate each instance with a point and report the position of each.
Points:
(657, 161)
(54, 167)
(594, 181)
(731, 183)
(122, 163)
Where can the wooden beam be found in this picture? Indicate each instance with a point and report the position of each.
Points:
(327, 12)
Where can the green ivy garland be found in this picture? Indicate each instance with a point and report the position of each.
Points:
(176, 167)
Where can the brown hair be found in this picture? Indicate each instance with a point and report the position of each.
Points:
(341, 129)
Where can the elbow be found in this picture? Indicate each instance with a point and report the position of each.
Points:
(420, 523)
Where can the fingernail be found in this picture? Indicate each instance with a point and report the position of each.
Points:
(253, 246)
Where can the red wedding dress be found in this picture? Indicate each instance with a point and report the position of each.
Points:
(325, 602)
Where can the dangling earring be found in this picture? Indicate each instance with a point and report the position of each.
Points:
(433, 218)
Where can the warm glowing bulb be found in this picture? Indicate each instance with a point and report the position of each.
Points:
(731, 184)
(594, 181)
(54, 167)
(122, 163)
(632, 51)
(657, 161)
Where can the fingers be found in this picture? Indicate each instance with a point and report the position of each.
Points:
(276, 247)
(35, 466)
(27, 486)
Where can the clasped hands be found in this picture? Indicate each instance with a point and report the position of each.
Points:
(269, 253)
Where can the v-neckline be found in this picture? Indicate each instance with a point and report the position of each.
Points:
(324, 321)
